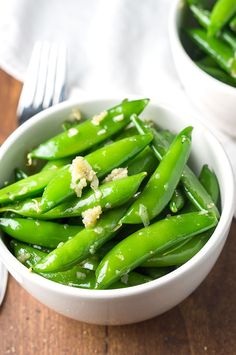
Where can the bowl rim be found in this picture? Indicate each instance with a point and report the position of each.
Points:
(224, 223)
(177, 8)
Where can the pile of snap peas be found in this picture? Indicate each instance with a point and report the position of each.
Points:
(214, 36)
(152, 220)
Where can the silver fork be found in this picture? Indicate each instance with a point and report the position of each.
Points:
(45, 80)
(44, 86)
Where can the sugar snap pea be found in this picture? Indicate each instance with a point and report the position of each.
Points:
(76, 276)
(83, 244)
(144, 161)
(222, 12)
(52, 164)
(138, 247)
(127, 132)
(131, 279)
(160, 188)
(194, 190)
(112, 194)
(217, 73)
(89, 132)
(160, 145)
(216, 48)
(180, 253)
(177, 201)
(209, 180)
(156, 272)
(233, 24)
(29, 187)
(196, 193)
(43, 233)
(101, 161)
(20, 174)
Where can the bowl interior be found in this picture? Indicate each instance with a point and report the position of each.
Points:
(205, 148)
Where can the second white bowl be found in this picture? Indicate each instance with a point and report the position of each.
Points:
(215, 100)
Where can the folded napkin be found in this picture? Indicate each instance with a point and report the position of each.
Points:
(114, 47)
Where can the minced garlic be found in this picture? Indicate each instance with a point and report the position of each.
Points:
(116, 174)
(91, 216)
(118, 118)
(81, 172)
(72, 132)
(29, 159)
(101, 132)
(23, 256)
(96, 120)
(75, 115)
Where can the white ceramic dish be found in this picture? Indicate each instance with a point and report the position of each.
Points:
(215, 100)
(140, 302)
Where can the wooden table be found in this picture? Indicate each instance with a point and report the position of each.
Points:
(205, 323)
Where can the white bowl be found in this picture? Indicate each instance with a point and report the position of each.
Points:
(214, 99)
(141, 302)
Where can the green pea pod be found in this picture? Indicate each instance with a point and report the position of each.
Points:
(160, 188)
(83, 244)
(112, 194)
(233, 24)
(160, 145)
(204, 18)
(19, 174)
(59, 163)
(76, 276)
(177, 201)
(208, 62)
(144, 161)
(89, 133)
(126, 133)
(194, 190)
(138, 247)
(209, 180)
(216, 48)
(222, 12)
(102, 161)
(132, 279)
(180, 253)
(156, 272)
(43, 233)
(28, 187)
(196, 193)
(218, 74)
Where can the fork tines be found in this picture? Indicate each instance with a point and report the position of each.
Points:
(45, 80)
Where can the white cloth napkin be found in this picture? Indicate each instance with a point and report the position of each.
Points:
(117, 47)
